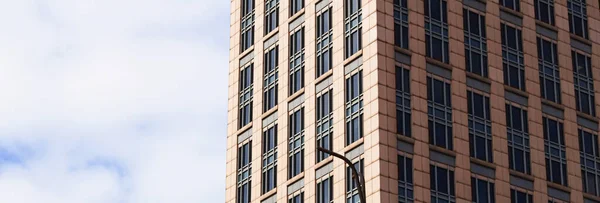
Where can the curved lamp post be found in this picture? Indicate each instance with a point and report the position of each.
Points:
(359, 178)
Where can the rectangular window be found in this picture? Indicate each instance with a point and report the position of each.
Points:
(297, 60)
(324, 41)
(246, 87)
(271, 15)
(269, 159)
(405, 180)
(244, 172)
(578, 22)
(439, 110)
(324, 122)
(352, 27)
(512, 57)
(517, 130)
(401, 23)
(556, 156)
(271, 78)
(298, 198)
(325, 190)
(403, 120)
(354, 108)
(475, 43)
(480, 126)
(247, 25)
(590, 162)
(482, 191)
(544, 11)
(436, 30)
(584, 83)
(296, 143)
(442, 185)
(296, 6)
(517, 196)
(352, 195)
(549, 70)
(511, 4)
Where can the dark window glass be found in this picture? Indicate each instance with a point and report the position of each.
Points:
(354, 108)
(511, 4)
(442, 185)
(556, 157)
(352, 195)
(246, 87)
(436, 30)
(325, 191)
(480, 126)
(482, 191)
(517, 130)
(544, 11)
(590, 162)
(549, 70)
(352, 27)
(578, 22)
(512, 57)
(299, 198)
(269, 159)
(584, 83)
(403, 120)
(439, 110)
(324, 41)
(244, 173)
(271, 78)
(401, 23)
(295, 6)
(324, 122)
(296, 143)
(271, 15)
(475, 43)
(520, 197)
(405, 180)
(297, 61)
(247, 25)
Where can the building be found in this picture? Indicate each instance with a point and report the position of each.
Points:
(433, 100)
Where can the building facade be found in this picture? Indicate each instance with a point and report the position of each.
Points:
(432, 100)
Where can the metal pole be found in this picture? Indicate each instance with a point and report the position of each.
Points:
(359, 178)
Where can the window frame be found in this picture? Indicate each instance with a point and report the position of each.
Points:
(269, 158)
(297, 60)
(581, 14)
(324, 42)
(296, 142)
(475, 44)
(271, 78)
(446, 108)
(486, 122)
(518, 140)
(449, 197)
(406, 185)
(401, 36)
(549, 71)
(489, 189)
(246, 95)
(550, 146)
(517, 53)
(244, 172)
(352, 28)
(319, 191)
(548, 6)
(441, 24)
(324, 123)
(353, 106)
(271, 14)
(590, 163)
(351, 188)
(403, 101)
(583, 91)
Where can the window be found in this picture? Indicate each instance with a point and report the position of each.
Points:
(324, 122)
(512, 57)
(295, 6)
(578, 22)
(439, 109)
(556, 157)
(325, 190)
(246, 84)
(517, 130)
(352, 27)
(271, 15)
(544, 11)
(584, 83)
(405, 180)
(271, 78)
(517, 196)
(401, 23)
(352, 195)
(549, 73)
(511, 4)
(324, 41)
(298, 198)
(442, 185)
(475, 43)
(482, 191)
(269, 159)
(436, 30)
(480, 126)
(247, 25)
(403, 120)
(244, 172)
(354, 108)
(296, 143)
(590, 162)
(297, 60)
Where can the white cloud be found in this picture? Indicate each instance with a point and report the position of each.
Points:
(106, 101)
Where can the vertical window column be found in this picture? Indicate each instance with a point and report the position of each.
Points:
(544, 11)
(590, 162)
(549, 70)
(324, 122)
(517, 130)
(296, 143)
(584, 83)
(324, 41)
(352, 195)
(246, 87)
(482, 191)
(475, 43)
(439, 110)
(271, 15)
(403, 109)
(325, 190)
(297, 60)
(578, 22)
(442, 184)
(556, 156)
(480, 126)
(269, 159)
(405, 179)
(401, 23)
(247, 25)
(354, 107)
(436, 30)
(244, 172)
(352, 27)
(512, 57)
(271, 78)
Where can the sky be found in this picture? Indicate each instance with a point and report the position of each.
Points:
(113, 101)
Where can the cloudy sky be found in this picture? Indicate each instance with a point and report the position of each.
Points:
(113, 101)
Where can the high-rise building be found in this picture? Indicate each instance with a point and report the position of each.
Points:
(433, 101)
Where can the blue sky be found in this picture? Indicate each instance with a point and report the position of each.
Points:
(104, 101)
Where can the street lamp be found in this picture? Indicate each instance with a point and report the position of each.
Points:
(359, 178)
